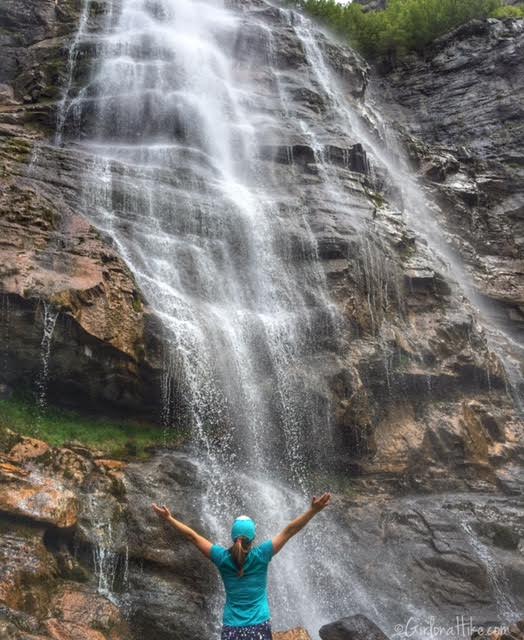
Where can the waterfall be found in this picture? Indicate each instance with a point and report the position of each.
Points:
(174, 124)
(109, 549)
(173, 135)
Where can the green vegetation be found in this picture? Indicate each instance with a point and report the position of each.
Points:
(119, 439)
(405, 25)
(509, 12)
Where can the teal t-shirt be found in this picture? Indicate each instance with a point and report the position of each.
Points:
(246, 596)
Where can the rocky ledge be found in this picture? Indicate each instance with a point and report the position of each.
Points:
(83, 556)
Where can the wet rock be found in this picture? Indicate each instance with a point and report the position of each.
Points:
(292, 634)
(6, 94)
(6, 391)
(167, 568)
(352, 628)
(81, 613)
(9, 631)
(354, 158)
(59, 630)
(514, 631)
(20, 622)
(419, 404)
(45, 590)
(475, 70)
(438, 166)
(26, 567)
(188, 614)
(37, 497)
(113, 468)
(100, 320)
(29, 449)
(444, 552)
(296, 153)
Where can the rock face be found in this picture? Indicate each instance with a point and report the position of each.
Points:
(165, 568)
(410, 346)
(53, 262)
(119, 558)
(462, 104)
(45, 591)
(457, 549)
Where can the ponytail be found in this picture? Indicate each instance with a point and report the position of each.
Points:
(239, 551)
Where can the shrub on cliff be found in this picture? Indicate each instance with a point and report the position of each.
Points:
(404, 25)
(509, 12)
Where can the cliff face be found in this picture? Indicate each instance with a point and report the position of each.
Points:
(462, 103)
(419, 402)
(409, 342)
(105, 350)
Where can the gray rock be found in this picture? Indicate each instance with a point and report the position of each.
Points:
(462, 99)
(172, 588)
(352, 628)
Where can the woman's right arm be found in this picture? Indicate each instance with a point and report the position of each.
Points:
(199, 541)
(317, 504)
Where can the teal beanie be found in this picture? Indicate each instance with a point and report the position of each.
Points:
(243, 527)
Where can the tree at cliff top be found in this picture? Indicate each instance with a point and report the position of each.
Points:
(403, 26)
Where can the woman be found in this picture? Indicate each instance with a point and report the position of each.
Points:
(243, 568)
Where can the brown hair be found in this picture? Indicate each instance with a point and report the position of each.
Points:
(239, 551)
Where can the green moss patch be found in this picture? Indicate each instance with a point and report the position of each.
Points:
(117, 439)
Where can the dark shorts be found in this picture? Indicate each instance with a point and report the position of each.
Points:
(255, 632)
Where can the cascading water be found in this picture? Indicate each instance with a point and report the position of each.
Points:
(50, 316)
(371, 128)
(173, 125)
(5, 322)
(109, 549)
(177, 181)
(496, 576)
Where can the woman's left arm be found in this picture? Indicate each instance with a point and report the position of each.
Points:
(317, 504)
(199, 541)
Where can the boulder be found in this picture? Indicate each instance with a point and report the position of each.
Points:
(170, 589)
(352, 628)
(293, 634)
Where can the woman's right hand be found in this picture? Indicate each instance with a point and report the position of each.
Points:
(317, 504)
(162, 512)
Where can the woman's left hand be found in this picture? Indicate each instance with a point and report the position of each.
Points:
(317, 504)
(163, 512)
